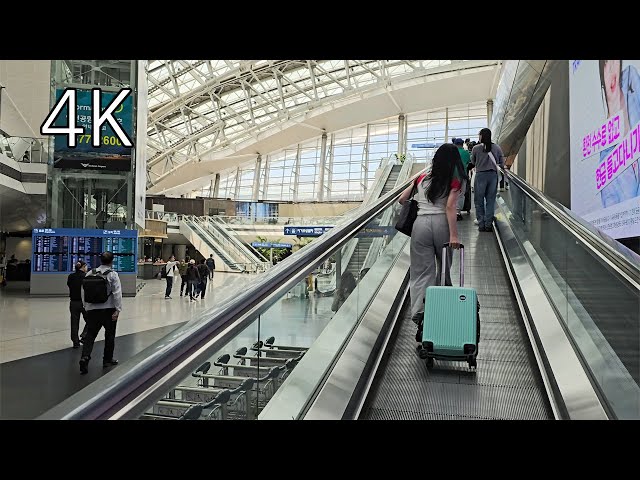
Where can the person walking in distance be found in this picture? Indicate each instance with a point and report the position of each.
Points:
(486, 157)
(211, 265)
(193, 278)
(182, 270)
(204, 272)
(76, 308)
(170, 268)
(102, 297)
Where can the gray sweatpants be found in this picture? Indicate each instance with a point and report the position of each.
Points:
(429, 234)
(463, 189)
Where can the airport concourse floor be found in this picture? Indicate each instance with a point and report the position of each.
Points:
(45, 370)
(33, 326)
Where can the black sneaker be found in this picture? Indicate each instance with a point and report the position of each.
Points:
(76, 345)
(418, 317)
(459, 216)
(109, 363)
(488, 228)
(84, 365)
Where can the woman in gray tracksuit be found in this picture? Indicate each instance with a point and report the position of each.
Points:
(437, 195)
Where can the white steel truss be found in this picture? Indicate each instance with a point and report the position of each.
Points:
(202, 106)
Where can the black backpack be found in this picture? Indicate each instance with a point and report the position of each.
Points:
(95, 286)
(163, 272)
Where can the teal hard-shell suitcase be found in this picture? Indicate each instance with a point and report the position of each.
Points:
(451, 325)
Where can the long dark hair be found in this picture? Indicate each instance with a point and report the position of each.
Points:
(485, 138)
(445, 163)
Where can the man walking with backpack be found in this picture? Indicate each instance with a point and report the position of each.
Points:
(102, 297)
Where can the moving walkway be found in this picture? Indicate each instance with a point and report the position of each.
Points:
(559, 330)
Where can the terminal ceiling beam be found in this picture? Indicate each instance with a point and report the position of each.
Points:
(218, 104)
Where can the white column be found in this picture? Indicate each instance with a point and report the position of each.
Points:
(323, 162)
(489, 111)
(256, 180)
(215, 186)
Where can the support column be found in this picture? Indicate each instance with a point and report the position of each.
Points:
(180, 251)
(216, 186)
(167, 249)
(446, 125)
(402, 139)
(296, 175)
(330, 169)
(256, 180)
(265, 185)
(323, 160)
(365, 184)
(237, 189)
(489, 111)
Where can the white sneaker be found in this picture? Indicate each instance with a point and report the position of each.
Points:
(475, 222)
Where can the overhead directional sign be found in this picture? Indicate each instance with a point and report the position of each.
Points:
(376, 231)
(270, 245)
(306, 231)
(425, 145)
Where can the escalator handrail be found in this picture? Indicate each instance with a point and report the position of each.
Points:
(623, 260)
(146, 377)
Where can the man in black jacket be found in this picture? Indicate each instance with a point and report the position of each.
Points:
(74, 282)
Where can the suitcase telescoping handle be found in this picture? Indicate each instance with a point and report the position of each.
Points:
(445, 259)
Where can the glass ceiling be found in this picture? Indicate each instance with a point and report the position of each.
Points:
(197, 107)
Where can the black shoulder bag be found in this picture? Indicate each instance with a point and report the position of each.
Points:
(408, 214)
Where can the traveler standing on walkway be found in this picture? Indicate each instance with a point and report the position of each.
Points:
(74, 282)
(211, 265)
(486, 157)
(193, 278)
(465, 190)
(170, 268)
(102, 297)
(437, 196)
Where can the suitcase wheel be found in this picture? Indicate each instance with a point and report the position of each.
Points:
(472, 362)
(429, 362)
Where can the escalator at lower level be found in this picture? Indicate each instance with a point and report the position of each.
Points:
(506, 384)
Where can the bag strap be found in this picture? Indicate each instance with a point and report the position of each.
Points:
(415, 185)
(493, 159)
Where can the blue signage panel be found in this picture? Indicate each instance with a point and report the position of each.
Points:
(270, 245)
(56, 250)
(111, 154)
(425, 145)
(306, 231)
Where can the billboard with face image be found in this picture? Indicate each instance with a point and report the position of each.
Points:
(604, 115)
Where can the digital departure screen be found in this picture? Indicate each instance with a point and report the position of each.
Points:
(56, 250)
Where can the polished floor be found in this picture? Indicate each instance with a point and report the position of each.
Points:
(33, 326)
(48, 371)
(31, 386)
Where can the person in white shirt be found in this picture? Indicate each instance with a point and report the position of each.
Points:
(104, 314)
(170, 268)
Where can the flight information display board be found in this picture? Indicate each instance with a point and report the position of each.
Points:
(56, 250)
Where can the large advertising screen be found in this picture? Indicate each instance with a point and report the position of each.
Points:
(56, 250)
(604, 115)
(111, 154)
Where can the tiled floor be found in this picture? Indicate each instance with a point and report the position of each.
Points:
(32, 326)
